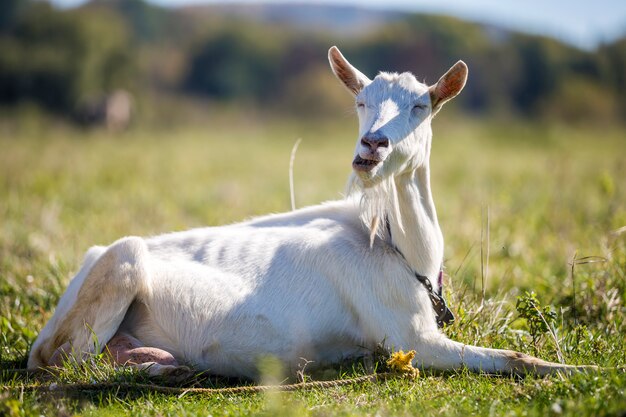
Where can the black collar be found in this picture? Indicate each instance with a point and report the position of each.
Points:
(443, 313)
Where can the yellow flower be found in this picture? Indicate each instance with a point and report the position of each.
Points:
(402, 362)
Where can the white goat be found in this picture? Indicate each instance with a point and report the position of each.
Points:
(320, 283)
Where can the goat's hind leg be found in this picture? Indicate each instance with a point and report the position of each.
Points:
(94, 304)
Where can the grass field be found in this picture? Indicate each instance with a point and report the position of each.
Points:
(522, 207)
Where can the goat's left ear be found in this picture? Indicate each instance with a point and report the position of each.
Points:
(448, 86)
(350, 77)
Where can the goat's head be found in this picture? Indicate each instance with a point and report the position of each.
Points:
(394, 116)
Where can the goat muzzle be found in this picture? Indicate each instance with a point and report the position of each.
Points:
(364, 165)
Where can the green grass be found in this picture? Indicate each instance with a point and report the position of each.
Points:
(555, 196)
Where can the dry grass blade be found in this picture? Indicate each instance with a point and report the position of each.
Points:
(292, 158)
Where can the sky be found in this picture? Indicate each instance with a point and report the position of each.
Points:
(580, 22)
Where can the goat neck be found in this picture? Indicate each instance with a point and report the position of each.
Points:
(416, 234)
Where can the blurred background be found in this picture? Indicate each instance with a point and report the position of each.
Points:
(133, 62)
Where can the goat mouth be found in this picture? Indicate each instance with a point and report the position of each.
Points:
(364, 165)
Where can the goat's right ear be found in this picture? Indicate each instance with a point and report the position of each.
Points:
(448, 86)
(350, 77)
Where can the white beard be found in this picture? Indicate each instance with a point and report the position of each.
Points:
(378, 203)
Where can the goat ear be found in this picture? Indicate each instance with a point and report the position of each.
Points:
(448, 86)
(350, 77)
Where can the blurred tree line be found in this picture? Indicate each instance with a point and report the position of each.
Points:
(56, 59)
(59, 59)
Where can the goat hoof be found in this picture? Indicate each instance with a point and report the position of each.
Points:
(169, 373)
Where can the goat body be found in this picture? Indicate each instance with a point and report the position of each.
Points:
(320, 283)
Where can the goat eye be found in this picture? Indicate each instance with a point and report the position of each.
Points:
(419, 106)
(360, 105)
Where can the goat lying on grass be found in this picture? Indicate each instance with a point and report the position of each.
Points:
(320, 283)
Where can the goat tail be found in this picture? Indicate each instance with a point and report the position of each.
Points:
(441, 353)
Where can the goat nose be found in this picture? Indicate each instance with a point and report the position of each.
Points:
(375, 141)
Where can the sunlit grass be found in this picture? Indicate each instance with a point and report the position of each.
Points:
(550, 197)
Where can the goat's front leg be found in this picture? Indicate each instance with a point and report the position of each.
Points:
(436, 351)
(94, 304)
